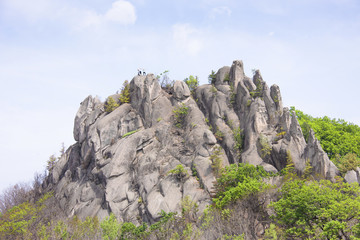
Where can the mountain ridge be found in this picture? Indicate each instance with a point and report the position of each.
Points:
(122, 160)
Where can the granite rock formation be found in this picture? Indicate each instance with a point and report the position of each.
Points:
(121, 160)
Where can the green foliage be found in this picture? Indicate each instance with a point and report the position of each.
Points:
(212, 77)
(130, 133)
(232, 237)
(335, 136)
(110, 228)
(216, 161)
(18, 222)
(110, 105)
(274, 233)
(192, 82)
(189, 209)
(248, 103)
(289, 172)
(239, 140)
(179, 172)
(125, 93)
(238, 181)
(180, 114)
(61, 230)
(318, 210)
(258, 91)
(265, 146)
(349, 162)
(219, 134)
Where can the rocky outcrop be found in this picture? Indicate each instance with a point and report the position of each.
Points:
(121, 161)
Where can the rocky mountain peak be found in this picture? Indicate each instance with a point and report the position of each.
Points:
(147, 155)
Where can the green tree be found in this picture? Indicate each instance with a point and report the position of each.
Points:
(125, 93)
(110, 105)
(318, 210)
(50, 164)
(192, 83)
(336, 136)
(238, 181)
(212, 77)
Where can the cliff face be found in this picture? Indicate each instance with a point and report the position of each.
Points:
(121, 160)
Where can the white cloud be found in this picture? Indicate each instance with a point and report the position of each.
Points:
(122, 12)
(220, 11)
(187, 39)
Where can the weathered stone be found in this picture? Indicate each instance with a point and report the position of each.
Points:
(121, 160)
(223, 76)
(352, 177)
(181, 90)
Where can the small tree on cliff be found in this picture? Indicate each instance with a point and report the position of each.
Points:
(110, 105)
(125, 93)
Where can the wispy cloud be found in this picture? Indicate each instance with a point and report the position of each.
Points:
(121, 12)
(219, 11)
(186, 38)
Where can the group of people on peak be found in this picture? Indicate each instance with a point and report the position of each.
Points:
(141, 71)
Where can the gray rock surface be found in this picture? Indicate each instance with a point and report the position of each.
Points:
(121, 160)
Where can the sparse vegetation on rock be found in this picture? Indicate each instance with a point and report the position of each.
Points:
(180, 114)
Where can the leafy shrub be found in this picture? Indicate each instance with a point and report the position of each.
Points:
(189, 209)
(180, 114)
(265, 146)
(239, 139)
(258, 91)
(110, 105)
(110, 228)
(179, 172)
(192, 82)
(238, 181)
(125, 93)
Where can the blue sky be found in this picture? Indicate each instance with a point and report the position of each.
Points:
(54, 53)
